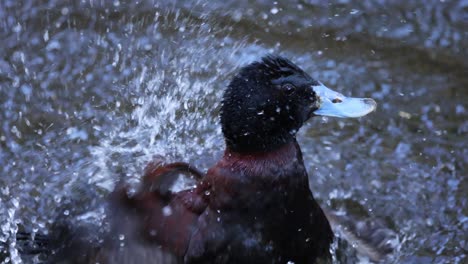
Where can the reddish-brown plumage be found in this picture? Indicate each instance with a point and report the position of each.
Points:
(258, 197)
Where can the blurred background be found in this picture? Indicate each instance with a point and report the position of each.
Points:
(90, 90)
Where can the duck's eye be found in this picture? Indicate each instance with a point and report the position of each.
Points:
(288, 88)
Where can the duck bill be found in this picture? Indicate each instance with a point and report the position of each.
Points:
(335, 104)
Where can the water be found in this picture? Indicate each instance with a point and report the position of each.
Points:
(91, 90)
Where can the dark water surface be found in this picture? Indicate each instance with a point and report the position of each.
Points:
(91, 90)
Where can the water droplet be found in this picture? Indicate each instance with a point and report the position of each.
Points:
(15, 202)
(17, 28)
(5, 190)
(167, 210)
(207, 193)
(237, 16)
(64, 11)
(66, 212)
(274, 10)
(121, 237)
(260, 112)
(46, 36)
(459, 109)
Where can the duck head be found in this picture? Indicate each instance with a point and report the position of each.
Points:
(268, 101)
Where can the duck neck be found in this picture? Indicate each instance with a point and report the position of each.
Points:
(258, 143)
(272, 177)
(280, 152)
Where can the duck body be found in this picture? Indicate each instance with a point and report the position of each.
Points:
(254, 205)
(264, 210)
(233, 216)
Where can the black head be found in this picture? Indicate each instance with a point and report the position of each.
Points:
(265, 105)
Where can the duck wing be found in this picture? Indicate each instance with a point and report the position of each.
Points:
(154, 225)
(156, 214)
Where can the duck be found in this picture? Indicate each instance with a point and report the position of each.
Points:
(254, 205)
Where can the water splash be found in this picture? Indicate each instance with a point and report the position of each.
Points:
(172, 108)
(9, 228)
